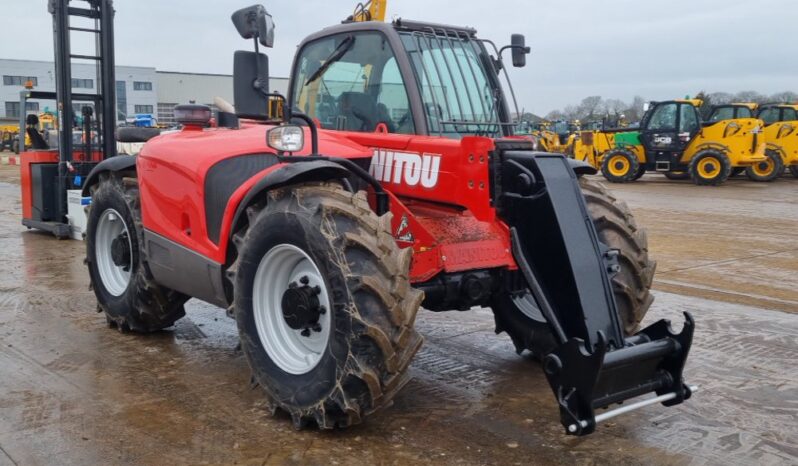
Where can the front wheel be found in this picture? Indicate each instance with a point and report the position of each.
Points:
(125, 290)
(794, 170)
(710, 168)
(323, 304)
(767, 170)
(519, 316)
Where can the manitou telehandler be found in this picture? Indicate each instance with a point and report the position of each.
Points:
(673, 140)
(781, 136)
(411, 192)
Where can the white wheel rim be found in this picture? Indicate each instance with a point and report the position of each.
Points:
(287, 347)
(114, 277)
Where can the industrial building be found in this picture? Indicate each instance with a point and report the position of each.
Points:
(139, 89)
(180, 88)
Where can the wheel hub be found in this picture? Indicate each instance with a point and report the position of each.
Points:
(120, 251)
(301, 306)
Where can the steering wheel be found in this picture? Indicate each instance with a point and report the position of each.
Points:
(366, 122)
(403, 120)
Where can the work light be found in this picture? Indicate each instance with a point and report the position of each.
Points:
(286, 138)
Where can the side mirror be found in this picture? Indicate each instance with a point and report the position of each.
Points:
(519, 50)
(251, 84)
(254, 21)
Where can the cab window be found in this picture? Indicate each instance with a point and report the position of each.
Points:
(769, 115)
(664, 117)
(722, 113)
(789, 114)
(351, 82)
(744, 112)
(688, 119)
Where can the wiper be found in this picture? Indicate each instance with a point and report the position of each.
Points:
(336, 55)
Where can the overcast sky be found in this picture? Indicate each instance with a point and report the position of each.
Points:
(613, 48)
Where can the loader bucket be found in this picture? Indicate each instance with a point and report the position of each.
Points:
(568, 271)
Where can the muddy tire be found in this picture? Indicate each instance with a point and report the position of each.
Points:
(616, 227)
(353, 357)
(768, 170)
(641, 170)
(620, 166)
(124, 287)
(794, 170)
(710, 167)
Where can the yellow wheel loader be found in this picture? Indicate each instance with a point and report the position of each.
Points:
(672, 140)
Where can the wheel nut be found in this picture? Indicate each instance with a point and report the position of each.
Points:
(304, 280)
(317, 289)
(292, 285)
(317, 327)
(322, 309)
(305, 332)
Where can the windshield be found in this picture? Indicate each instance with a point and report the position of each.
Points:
(351, 82)
(457, 92)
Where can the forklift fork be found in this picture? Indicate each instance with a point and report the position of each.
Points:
(568, 271)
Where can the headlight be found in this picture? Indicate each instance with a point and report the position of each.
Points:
(287, 138)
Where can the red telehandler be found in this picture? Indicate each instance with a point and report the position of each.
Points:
(411, 192)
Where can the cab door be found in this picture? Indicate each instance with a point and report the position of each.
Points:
(666, 132)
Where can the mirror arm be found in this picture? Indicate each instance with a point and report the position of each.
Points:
(526, 49)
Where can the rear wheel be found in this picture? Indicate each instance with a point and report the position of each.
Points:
(710, 167)
(767, 170)
(520, 317)
(794, 170)
(125, 290)
(323, 304)
(620, 166)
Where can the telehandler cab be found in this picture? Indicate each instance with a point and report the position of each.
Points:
(673, 140)
(412, 192)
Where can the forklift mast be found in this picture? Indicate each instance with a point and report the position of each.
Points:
(48, 174)
(105, 101)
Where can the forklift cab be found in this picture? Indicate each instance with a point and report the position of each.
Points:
(52, 170)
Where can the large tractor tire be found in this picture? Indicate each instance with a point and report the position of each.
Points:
(124, 287)
(520, 317)
(620, 166)
(768, 170)
(323, 304)
(710, 167)
(794, 170)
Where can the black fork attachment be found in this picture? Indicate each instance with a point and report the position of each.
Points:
(569, 271)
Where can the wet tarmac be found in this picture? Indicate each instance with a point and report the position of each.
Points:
(73, 391)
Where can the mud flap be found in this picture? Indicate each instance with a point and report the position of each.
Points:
(568, 271)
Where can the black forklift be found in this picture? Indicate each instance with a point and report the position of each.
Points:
(49, 173)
